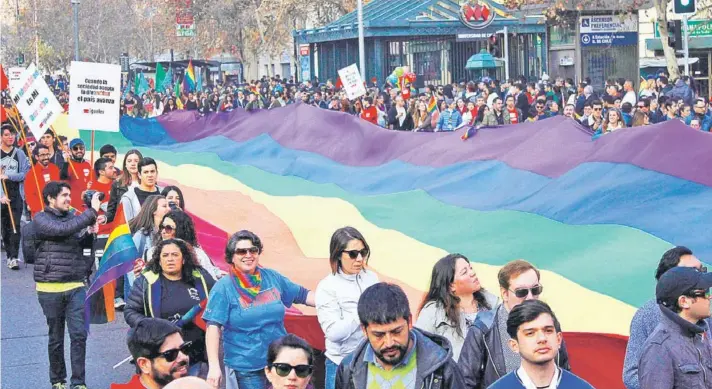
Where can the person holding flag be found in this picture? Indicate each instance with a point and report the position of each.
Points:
(14, 166)
(41, 173)
(172, 285)
(76, 172)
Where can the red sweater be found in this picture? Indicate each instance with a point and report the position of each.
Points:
(33, 195)
(370, 114)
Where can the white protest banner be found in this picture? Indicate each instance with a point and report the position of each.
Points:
(14, 73)
(352, 81)
(94, 96)
(35, 100)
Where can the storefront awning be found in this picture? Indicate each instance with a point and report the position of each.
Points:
(662, 63)
(696, 42)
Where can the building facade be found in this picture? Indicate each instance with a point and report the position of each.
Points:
(435, 38)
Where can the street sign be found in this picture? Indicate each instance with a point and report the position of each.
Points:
(608, 30)
(696, 27)
(684, 7)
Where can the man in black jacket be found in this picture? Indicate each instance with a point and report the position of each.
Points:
(60, 273)
(485, 355)
(394, 353)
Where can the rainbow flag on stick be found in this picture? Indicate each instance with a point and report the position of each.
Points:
(194, 315)
(432, 104)
(189, 78)
(118, 260)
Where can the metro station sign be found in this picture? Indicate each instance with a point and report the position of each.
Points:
(476, 14)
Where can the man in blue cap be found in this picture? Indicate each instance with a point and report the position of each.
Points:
(78, 174)
(678, 354)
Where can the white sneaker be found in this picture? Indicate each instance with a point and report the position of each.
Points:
(13, 264)
(119, 303)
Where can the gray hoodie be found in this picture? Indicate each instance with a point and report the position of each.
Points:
(131, 204)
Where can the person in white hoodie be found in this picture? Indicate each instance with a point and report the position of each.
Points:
(454, 301)
(337, 297)
(133, 199)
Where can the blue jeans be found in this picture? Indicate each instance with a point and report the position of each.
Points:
(246, 379)
(58, 308)
(330, 375)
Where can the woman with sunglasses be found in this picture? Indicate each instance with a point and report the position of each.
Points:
(127, 179)
(337, 297)
(171, 285)
(289, 363)
(453, 301)
(177, 224)
(249, 306)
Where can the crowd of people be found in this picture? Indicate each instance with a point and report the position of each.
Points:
(462, 336)
(487, 102)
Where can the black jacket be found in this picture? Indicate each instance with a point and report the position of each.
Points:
(58, 244)
(435, 367)
(482, 360)
(393, 120)
(522, 104)
(114, 200)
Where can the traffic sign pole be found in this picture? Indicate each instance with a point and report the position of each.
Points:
(685, 43)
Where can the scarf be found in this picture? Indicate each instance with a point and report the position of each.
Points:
(247, 285)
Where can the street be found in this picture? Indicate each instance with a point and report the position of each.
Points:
(23, 341)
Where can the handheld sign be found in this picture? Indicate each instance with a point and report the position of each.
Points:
(94, 96)
(34, 100)
(353, 83)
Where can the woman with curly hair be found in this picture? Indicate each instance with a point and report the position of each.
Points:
(171, 285)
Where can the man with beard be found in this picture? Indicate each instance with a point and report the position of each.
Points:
(36, 179)
(76, 172)
(396, 355)
(159, 353)
(536, 336)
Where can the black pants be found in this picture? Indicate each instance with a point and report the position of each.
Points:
(9, 238)
(58, 308)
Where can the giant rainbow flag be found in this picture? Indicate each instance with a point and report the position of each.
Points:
(594, 216)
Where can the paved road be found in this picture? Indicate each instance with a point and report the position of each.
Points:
(23, 340)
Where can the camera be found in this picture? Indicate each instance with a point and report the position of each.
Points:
(89, 194)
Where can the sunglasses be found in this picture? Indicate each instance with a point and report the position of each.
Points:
(539, 107)
(168, 229)
(524, 292)
(701, 293)
(353, 254)
(32, 144)
(172, 354)
(77, 148)
(251, 250)
(598, 109)
(283, 369)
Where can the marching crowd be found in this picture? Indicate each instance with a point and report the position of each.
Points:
(487, 102)
(462, 336)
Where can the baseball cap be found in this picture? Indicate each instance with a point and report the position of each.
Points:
(74, 142)
(679, 281)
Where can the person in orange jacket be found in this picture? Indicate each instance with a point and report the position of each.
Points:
(41, 173)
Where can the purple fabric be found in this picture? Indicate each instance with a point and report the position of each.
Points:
(551, 147)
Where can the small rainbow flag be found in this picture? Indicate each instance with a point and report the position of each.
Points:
(118, 259)
(189, 78)
(432, 104)
(194, 315)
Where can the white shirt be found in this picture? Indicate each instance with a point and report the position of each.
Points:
(529, 384)
(630, 97)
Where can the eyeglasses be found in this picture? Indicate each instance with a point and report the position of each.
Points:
(252, 250)
(166, 228)
(353, 254)
(172, 354)
(283, 369)
(524, 292)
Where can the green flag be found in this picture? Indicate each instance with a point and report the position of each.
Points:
(160, 76)
(137, 81)
(176, 89)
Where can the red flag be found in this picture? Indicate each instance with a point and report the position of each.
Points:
(3, 85)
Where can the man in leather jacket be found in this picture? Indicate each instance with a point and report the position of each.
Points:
(60, 272)
(394, 354)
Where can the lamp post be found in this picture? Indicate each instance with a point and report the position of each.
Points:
(75, 9)
(361, 45)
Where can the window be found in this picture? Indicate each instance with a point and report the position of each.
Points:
(562, 35)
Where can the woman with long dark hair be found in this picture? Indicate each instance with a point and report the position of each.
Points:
(172, 284)
(144, 228)
(177, 224)
(127, 179)
(453, 301)
(337, 297)
(174, 196)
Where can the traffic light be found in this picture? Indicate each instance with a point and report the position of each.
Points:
(674, 28)
(20, 59)
(124, 61)
(684, 7)
(494, 44)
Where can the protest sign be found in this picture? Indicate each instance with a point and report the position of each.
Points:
(94, 96)
(34, 100)
(14, 73)
(353, 83)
